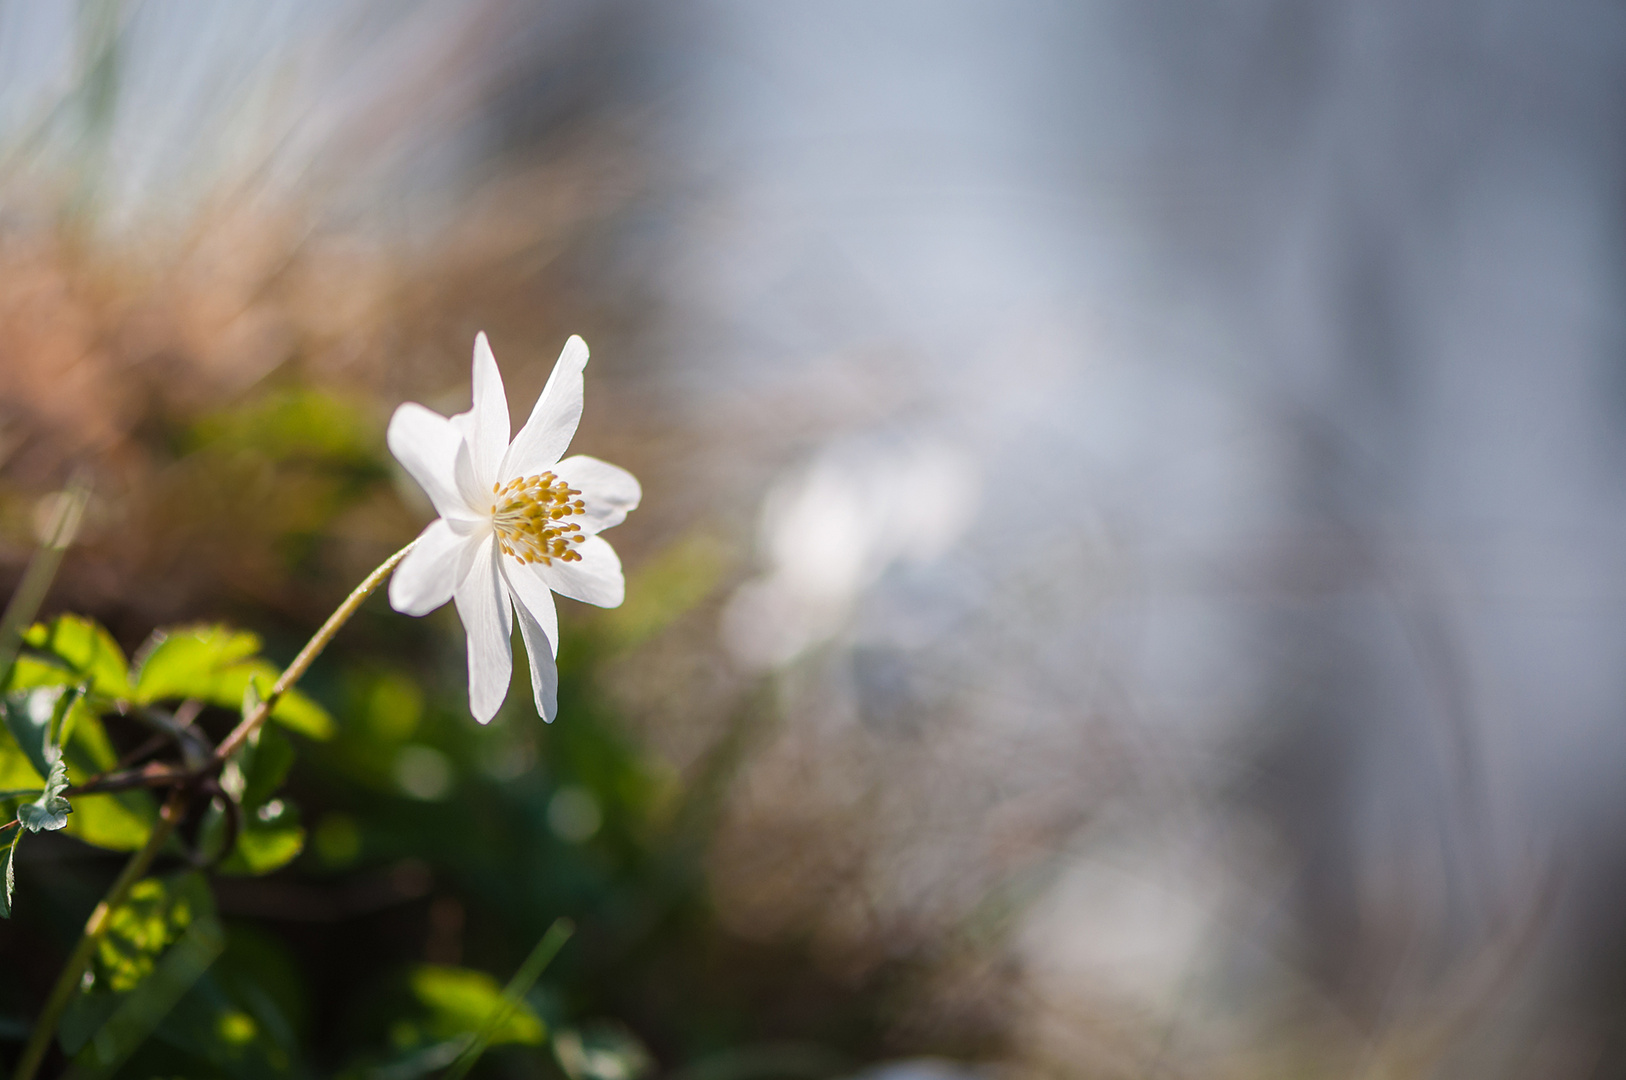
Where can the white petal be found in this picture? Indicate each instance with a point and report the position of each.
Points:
(596, 579)
(533, 595)
(485, 425)
(482, 603)
(474, 494)
(609, 491)
(430, 573)
(544, 672)
(543, 439)
(427, 443)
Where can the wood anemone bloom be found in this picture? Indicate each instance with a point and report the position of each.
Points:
(516, 524)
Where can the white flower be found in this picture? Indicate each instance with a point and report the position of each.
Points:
(515, 523)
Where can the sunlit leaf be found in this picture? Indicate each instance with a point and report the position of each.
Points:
(50, 811)
(264, 848)
(217, 665)
(29, 715)
(88, 748)
(16, 771)
(155, 913)
(461, 1000)
(31, 671)
(270, 838)
(87, 649)
(104, 1027)
(187, 663)
(116, 822)
(293, 710)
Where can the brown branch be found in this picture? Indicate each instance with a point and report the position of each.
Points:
(152, 775)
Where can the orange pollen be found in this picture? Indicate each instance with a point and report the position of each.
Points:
(532, 516)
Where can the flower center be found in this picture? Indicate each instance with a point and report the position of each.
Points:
(530, 514)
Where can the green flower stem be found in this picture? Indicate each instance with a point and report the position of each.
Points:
(39, 1039)
(251, 723)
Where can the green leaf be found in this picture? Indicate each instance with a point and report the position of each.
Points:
(87, 649)
(16, 771)
(50, 811)
(88, 748)
(270, 838)
(157, 911)
(31, 671)
(461, 1000)
(116, 822)
(216, 664)
(28, 716)
(264, 762)
(186, 663)
(513, 995)
(293, 710)
(103, 1029)
(10, 858)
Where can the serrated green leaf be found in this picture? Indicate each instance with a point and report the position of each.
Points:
(10, 858)
(187, 663)
(50, 811)
(85, 648)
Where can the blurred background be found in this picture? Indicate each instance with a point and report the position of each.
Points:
(1130, 577)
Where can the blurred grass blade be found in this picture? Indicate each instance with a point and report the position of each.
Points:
(25, 602)
(517, 987)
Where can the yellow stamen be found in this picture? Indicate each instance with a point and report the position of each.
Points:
(529, 516)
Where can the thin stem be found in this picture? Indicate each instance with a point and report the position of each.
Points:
(312, 649)
(39, 1039)
(151, 775)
